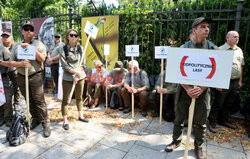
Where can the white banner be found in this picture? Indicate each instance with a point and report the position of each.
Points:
(27, 53)
(161, 52)
(132, 50)
(202, 67)
(2, 94)
(60, 78)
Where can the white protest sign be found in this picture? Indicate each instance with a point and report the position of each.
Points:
(2, 93)
(91, 29)
(132, 50)
(28, 53)
(202, 67)
(161, 52)
(106, 49)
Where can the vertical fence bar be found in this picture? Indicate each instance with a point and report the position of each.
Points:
(20, 23)
(218, 24)
(70, 16)
(238, 14)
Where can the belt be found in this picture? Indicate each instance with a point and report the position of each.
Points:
(34, 74)
(232, 80)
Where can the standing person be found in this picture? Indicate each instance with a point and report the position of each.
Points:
(140, 90)
(53, 59)
(224, 98)
(38, 107)
(96, 82)
(6, 111)
(70, 56)
(115, 81)
(185, 93)
(8, 42)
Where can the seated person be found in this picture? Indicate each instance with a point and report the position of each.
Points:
(96, 82)
(168, 91)
(140, 90)
(115, 82)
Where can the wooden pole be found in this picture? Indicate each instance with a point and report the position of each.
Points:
(132, 84)
(190, 122)
(161, 95)
(106, 80)
(27, 94)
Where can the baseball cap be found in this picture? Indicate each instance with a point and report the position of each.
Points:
(28, 25)
(118, 64)
(58, 35)
(199, 20)
(6, 33)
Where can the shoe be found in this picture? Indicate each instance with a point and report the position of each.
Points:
(8, 123)
(212, 128)
(66, 126)
(229, 125)
(93, 106)
(127, 110)
(144, 114)
(199, 153)
(1, 122)
(121, 108)
(34, 124)
(172, 146)
(83, 119)
(46, 130)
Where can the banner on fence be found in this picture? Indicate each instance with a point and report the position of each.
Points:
(7, 27)
(107, 33)
(44, 29)
(2, 94)
(210, 68)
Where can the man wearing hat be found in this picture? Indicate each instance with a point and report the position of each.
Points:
(8, 42)
(38, 107)
(185, 93)
(53, 59)
(115, 82)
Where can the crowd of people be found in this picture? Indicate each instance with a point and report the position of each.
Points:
(118, 82)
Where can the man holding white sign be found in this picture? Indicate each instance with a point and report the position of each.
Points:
(185, 93)
(38, 107)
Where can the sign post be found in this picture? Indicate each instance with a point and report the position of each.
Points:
(198, 67)
(132, 50)
(161, 53)
(27, 53)
(106, 53)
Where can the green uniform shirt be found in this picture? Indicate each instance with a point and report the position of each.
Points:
(4, 56)
(56, 51)
(35, 66)
(238, 60)
(140, 79)
(71, 62)
(116, 76)
(170, 86)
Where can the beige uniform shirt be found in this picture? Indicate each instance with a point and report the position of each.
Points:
(4, 56)
(238, 60)
(35, 66)
(56, 51)
(71, 61)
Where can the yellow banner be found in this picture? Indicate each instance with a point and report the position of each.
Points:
(108, 33)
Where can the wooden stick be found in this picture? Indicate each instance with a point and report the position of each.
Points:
(190, 122)
(27, 94)
(106, 80)
(161, 95)
(132, 84)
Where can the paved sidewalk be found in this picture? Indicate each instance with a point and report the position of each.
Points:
(111, 135)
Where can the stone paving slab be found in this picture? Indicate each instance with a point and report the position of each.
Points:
(164, 127)
(235, 145)
(140, 152)
(103, 152)
(215, 152)
(62, 151)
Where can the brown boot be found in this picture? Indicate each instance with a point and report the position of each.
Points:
(199, 153)
(46, 130)
(212, 128)
(173, 145)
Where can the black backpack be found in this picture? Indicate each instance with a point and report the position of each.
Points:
(114, 101)
(19, 130)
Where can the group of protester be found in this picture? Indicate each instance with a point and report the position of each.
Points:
(118, 83)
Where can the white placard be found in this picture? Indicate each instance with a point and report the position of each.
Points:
(161, 52)
(91, 29)
(202, 67)
(28, 53)
(106, 49)
(132, 50)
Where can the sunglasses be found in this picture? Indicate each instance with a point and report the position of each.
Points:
(28, 29)
(57, 37)
(73, 35)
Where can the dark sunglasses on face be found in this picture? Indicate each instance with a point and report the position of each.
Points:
(73, 35)
(57, 37)
(28, 29)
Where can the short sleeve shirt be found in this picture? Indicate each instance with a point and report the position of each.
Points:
(116, 76)
(104, 74)
(140, 79)
(35, 66)
(4, 56)
(56, 51)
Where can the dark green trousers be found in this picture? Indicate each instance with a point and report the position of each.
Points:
(97, 88)
(199, 119)
(118, 90)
